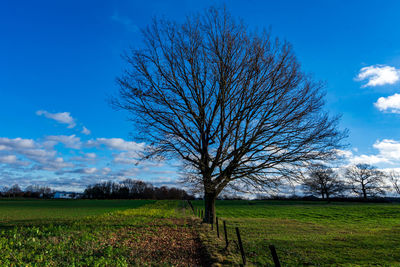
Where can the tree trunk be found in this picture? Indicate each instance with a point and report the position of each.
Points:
(209, 199)
(364, 191)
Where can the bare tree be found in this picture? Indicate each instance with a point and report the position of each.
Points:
(14, 190)
(231, 104)
(365, 180)
(394, 178)
(323, 180)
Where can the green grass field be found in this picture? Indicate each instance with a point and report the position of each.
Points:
(91, 232)
(33, 210)
(161, 233)
(311, 233)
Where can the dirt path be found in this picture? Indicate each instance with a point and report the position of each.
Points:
(164, 242)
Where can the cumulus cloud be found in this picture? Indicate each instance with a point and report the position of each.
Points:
(70, 141)
(376, 75)
(126, 158)
(369, 159)
(27, 161)
(117, 144)
(90, 155)
(344, 153)
(8, 159)
(80, 171)
(105, 170)
(44, 156)
(62, 117)
(16, 143)
(388, 153)
(86, 157)
(85, 130)
(390, 104)
(389, 149)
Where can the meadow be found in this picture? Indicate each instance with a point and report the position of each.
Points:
(164, 233)
(309, 233)
(95, 233)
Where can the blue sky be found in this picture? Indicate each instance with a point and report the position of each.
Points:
(59, 61)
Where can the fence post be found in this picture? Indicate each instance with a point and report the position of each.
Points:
(226, 236)
(274, 256)
(241, 246)
(216, 223)
(191, 206)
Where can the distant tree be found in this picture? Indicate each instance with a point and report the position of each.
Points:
(133, 189)
(4, 190)
(37, 191)
(15, 191)
(137, 188)
(365, 180)
(231, 103)
(394, 178)
(322, 180)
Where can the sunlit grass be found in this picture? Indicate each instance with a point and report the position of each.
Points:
(47, 233)
(314, 233)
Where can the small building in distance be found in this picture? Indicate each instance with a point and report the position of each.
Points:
(66, 195)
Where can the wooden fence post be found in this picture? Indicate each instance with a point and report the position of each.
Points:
(274, 256)
(241, 246)
(226, 236)
(216, 223)
(191, 206)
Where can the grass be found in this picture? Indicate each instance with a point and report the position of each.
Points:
(148, 233)
(310, 233)
(15, 211)
(60, 233)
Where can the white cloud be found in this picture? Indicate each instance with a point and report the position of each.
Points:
(344, 153)
(90, 155)
(105, 170)
(70, 141)
(390, 103)
(85, 157)
(117, 144)
(85, 130)
(388, 153)
(43, 156)
(368, 159)
(79, 171)
(89, 170)
(388, 149)
(28, 161)
(9, 159)
(62, 117)
(126, 158)
(378, 75)
(16, 143)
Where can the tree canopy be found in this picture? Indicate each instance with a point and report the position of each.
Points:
(230, 103)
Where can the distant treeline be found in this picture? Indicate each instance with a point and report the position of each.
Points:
(133, 189)
(127, 189)
(32, 191)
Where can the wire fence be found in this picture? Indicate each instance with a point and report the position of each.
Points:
(237, 240)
